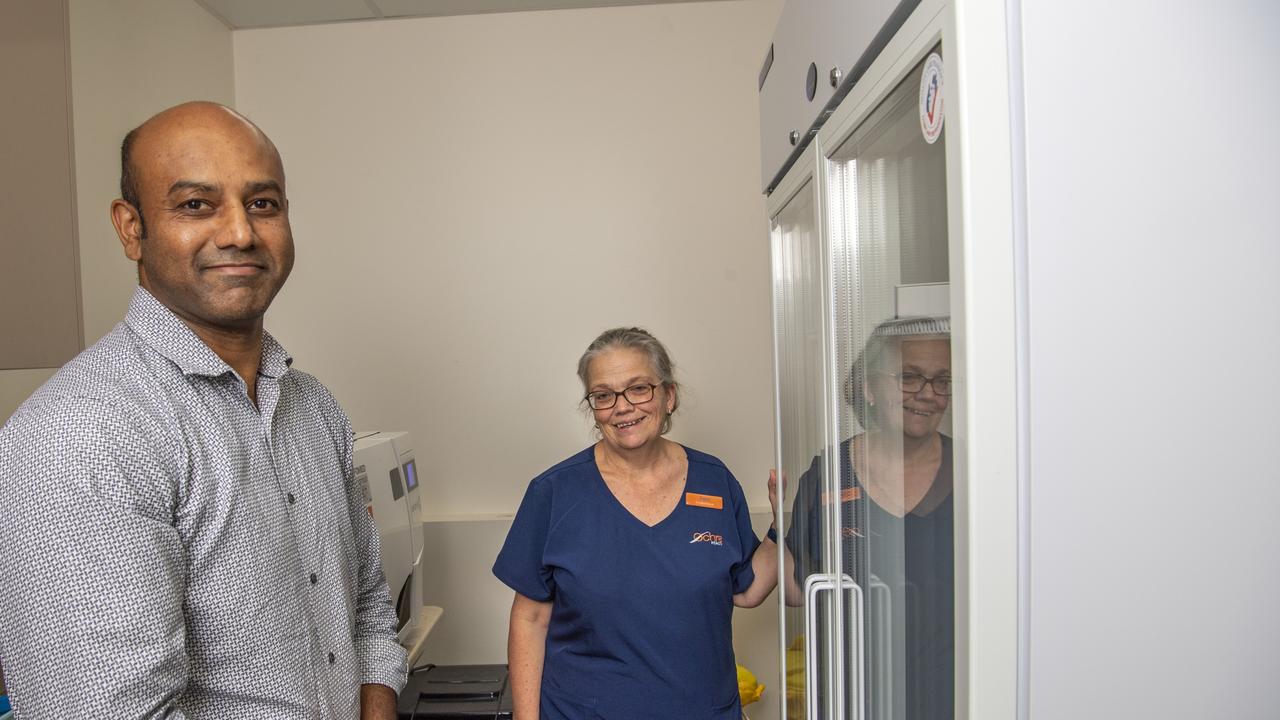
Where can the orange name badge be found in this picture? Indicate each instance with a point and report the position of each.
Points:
(846, 495)
(715, 502)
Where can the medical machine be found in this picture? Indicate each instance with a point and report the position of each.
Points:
(387, 473)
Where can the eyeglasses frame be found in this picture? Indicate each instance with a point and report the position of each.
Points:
(652, 388)
(927, 381)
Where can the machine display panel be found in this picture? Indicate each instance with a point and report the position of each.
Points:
(410, 475)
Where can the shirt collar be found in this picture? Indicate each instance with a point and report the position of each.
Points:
(172, 338)
(275, 360)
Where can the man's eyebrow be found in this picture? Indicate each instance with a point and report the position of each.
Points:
(192, 185)
(263, 185)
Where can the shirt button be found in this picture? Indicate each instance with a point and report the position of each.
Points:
(330, 658)
(292, 499)
(313, 578)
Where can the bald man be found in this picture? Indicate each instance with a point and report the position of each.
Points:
(182, 536)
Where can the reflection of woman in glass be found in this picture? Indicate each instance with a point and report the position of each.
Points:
(896, 519)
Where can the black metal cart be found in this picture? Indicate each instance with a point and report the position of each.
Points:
(456, 692)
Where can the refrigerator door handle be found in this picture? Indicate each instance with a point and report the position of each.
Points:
(883, 617)
(814, 584)
(857, 668)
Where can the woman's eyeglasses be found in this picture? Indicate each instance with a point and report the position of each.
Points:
(915, 382)
(605, 399)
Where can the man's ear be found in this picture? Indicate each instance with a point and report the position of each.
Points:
(128, 223)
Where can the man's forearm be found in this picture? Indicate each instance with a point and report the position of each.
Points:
(377, 702)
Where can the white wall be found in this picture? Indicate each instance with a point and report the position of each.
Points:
(475, 198)
(1153, 261)
(129, 60)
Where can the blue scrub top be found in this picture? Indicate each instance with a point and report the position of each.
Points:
(641, 618)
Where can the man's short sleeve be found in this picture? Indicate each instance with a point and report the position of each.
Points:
(520, 562)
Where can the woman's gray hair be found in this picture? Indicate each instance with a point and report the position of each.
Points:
(888, 334)
(634, 338)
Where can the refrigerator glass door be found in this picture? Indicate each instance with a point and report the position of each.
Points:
(800, 312)
(888, 274)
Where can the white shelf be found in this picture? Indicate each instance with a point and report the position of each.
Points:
(415, 637)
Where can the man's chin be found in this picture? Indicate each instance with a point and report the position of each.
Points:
(238, 306)
(233, 317)
(239, 314)
(234, 307)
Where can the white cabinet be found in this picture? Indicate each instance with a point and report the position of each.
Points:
(816, 42)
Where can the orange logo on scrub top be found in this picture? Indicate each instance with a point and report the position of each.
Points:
(707, 536)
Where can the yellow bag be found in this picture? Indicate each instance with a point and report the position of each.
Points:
(749, 689)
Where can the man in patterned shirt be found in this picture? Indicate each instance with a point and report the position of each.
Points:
(182, 537)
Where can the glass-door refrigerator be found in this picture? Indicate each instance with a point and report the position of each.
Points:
(872, 321)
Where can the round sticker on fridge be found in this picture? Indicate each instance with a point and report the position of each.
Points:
(931, 98)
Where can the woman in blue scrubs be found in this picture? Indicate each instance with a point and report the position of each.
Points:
(628, 558)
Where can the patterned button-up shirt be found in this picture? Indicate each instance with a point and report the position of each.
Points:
(169, 550)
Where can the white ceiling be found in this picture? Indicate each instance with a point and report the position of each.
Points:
(241, 14)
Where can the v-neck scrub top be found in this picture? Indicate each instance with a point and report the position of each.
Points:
(641, 618)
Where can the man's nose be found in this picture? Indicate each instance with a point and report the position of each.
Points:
(237, 231)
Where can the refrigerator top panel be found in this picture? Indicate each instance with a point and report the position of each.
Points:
(819, 51)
